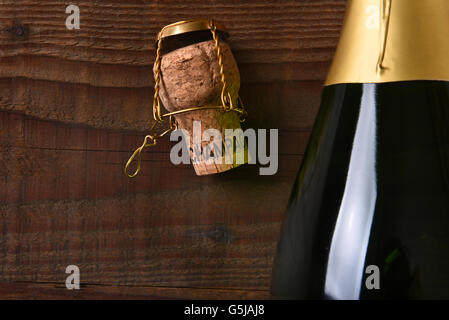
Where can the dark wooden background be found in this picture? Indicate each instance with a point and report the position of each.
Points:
(74, 104)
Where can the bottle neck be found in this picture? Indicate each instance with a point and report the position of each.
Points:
(392, 40)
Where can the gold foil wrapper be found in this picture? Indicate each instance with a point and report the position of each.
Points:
(417, 43)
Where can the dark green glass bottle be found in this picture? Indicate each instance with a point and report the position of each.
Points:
(368, 217)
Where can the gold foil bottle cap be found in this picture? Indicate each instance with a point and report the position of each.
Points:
(407, 39)
(186, 26)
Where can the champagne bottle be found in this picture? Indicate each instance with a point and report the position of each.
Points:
(368, 216)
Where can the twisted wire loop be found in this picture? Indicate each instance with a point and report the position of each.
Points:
(226, 99)
(149, 141)
(157, 114)
(226, 102)
(385, 13)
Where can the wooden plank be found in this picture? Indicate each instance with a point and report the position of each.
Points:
(285, 105)
(48, 160)
(130, 76)
(291, 33)
(36, 291)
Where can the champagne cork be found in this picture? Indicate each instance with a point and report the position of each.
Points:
(190, 77)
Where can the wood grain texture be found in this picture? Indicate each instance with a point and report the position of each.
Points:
(56, 291)
(123, 32)
(74, 104)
